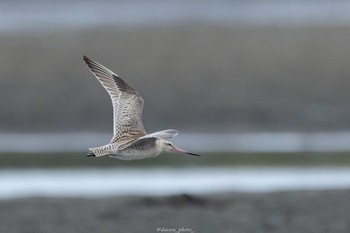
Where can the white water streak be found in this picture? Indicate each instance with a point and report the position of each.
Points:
(109, 182)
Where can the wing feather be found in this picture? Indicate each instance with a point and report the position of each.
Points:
(164, 134)
(127, 103)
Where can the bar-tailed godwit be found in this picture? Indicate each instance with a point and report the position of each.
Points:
(130, 140)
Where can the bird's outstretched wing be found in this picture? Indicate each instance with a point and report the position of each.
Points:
(127, 104)
(164, 134)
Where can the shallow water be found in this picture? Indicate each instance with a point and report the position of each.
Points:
(199, 142)
(16, 183)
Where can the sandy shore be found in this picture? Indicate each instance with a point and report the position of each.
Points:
(298, 211)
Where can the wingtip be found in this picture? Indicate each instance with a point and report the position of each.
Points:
(85, 58)
(88, 62)
(175, 132)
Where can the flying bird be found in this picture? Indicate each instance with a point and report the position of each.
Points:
(130, 140)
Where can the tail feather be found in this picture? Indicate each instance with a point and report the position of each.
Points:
(102, 150)
(91, 154)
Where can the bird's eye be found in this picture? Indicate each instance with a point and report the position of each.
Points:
(169, 143)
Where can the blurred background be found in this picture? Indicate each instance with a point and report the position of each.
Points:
(260, 88)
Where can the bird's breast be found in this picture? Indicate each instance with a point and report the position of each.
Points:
(132, 154)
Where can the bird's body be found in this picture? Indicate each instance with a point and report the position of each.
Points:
(147, 147)
(130, 140)
(140, 149)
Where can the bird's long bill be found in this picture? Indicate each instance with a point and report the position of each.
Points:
(176, 149)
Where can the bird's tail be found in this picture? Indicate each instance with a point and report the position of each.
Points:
(90, 154)
(103, 150)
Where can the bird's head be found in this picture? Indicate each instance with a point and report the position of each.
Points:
(168, 146)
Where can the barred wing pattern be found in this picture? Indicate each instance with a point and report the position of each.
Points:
(127, 104)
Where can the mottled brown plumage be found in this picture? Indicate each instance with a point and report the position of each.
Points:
(130, 140)
(127, 104)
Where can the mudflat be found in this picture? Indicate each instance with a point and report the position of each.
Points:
(292, 211)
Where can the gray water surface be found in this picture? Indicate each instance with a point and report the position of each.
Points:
(199, 142)
(52, 15)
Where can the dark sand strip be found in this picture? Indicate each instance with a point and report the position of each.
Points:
(298, 211)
